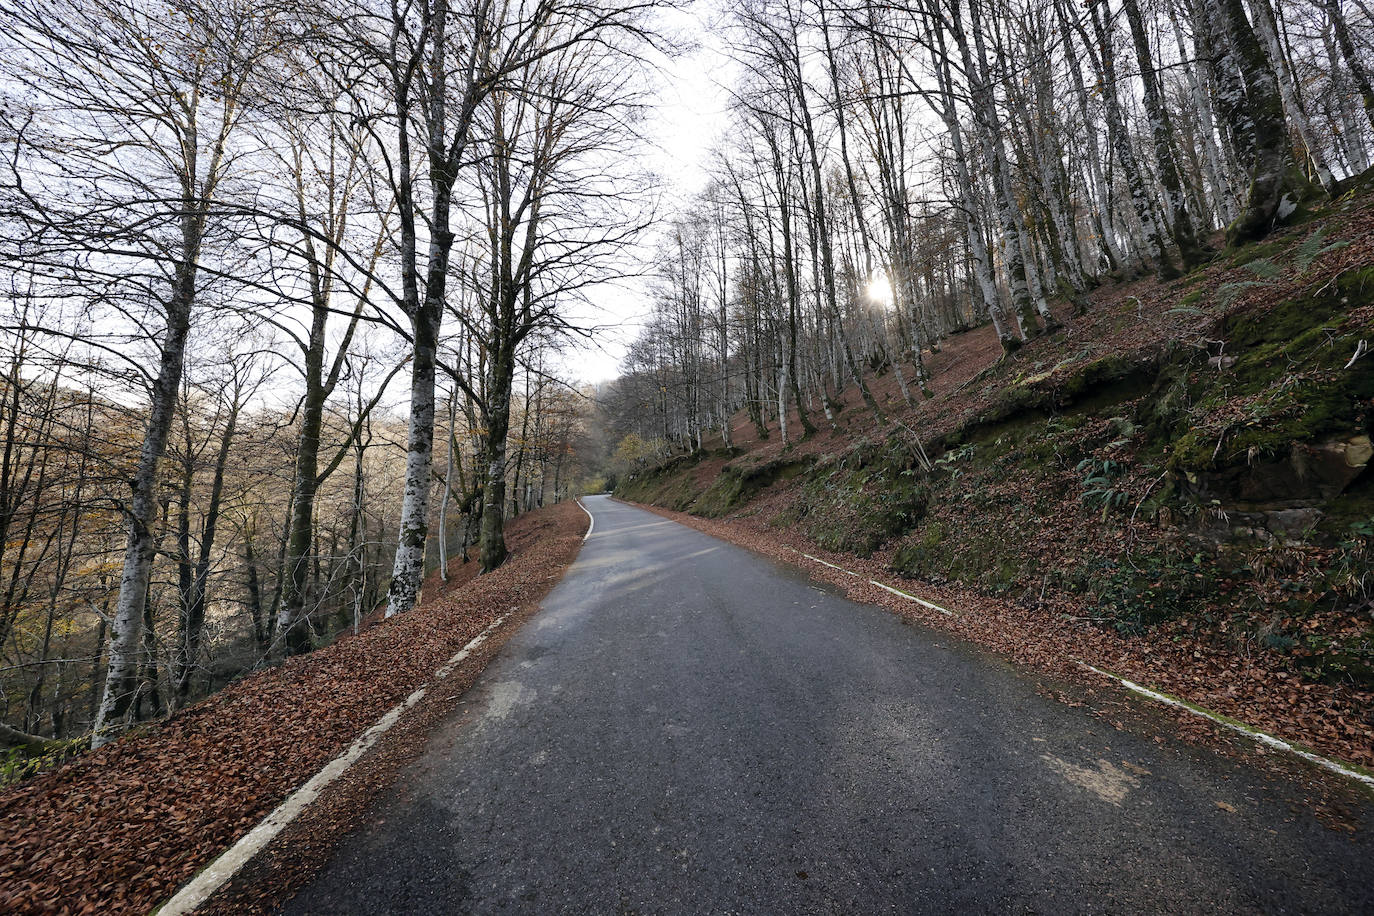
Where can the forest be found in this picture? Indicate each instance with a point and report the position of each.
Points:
(1059, 311)
(1024, 346)
(289, 295)
(894, 173)
(294, 290)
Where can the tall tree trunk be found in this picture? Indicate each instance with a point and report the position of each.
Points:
(1288, 91)
(448, 486)
(1222, 191)
(493, 535)
(1358, 73)
(149, 688)
(256, 613)
(1278, 189)
(292, 626)
(1119, 139)
(518, 482)
(193, 607)
(1161, 131)
(973, 231)
(793, 291)
(121, 680)
(989, 132)
(408, 570)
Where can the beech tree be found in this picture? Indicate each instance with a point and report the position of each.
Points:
(552, 221)
(173, 180)
(430, 67)
(336, 236)
(338, 193)
(242, 377)
(1256, 120)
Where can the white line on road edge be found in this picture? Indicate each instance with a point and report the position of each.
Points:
(219, 872)
(590, 516)
(895, 591)
(920, 601)
(447, 668)
(1256, 734)
(831, 565)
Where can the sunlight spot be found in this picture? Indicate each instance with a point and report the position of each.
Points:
(879, 290)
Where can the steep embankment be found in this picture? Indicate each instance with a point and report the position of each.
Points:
(118, 830)
(1181, 472)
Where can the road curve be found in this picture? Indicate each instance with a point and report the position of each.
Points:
(687, 727)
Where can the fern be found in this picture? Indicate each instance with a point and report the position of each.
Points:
(1099, 483)
(953, 456)
(1307, 252)
(1313, 248)
(1264, 268)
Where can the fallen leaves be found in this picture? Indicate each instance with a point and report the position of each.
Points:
(118, 830)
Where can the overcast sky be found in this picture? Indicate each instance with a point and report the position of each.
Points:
(684, 125)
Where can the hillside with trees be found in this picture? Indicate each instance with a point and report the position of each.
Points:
(1063, 304)
(1053, 317)
(290, 291)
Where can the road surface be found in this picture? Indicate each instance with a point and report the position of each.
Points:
(690, 728)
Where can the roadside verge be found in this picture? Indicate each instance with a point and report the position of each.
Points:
(121, 829)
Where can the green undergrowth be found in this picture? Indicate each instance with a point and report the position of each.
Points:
(1273, 380)
(669, 485)
(739, 483)
(16, 765)
(860, 501)
(674, 486)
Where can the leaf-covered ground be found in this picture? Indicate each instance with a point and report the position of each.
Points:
(120, 829)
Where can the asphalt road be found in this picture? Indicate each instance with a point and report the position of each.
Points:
(689, 728)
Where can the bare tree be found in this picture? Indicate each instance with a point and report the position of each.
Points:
(126, 139)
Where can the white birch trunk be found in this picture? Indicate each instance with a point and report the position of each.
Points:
(782, 401)
(1351, 138)
(126, 628)
(408, 569)
(1223, 194)
(1288, 92)
(448, 490)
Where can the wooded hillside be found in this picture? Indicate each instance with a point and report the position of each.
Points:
(1184, 467)
(895, 174)
(1066, 304)
(285, 287)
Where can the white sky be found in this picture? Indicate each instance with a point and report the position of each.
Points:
(688, 118)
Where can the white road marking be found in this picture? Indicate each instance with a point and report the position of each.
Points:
(591, 525)
(920, 601)
(831, 565)
(447, 668)
(895, 591)
(1256, 734)
(219, 872)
